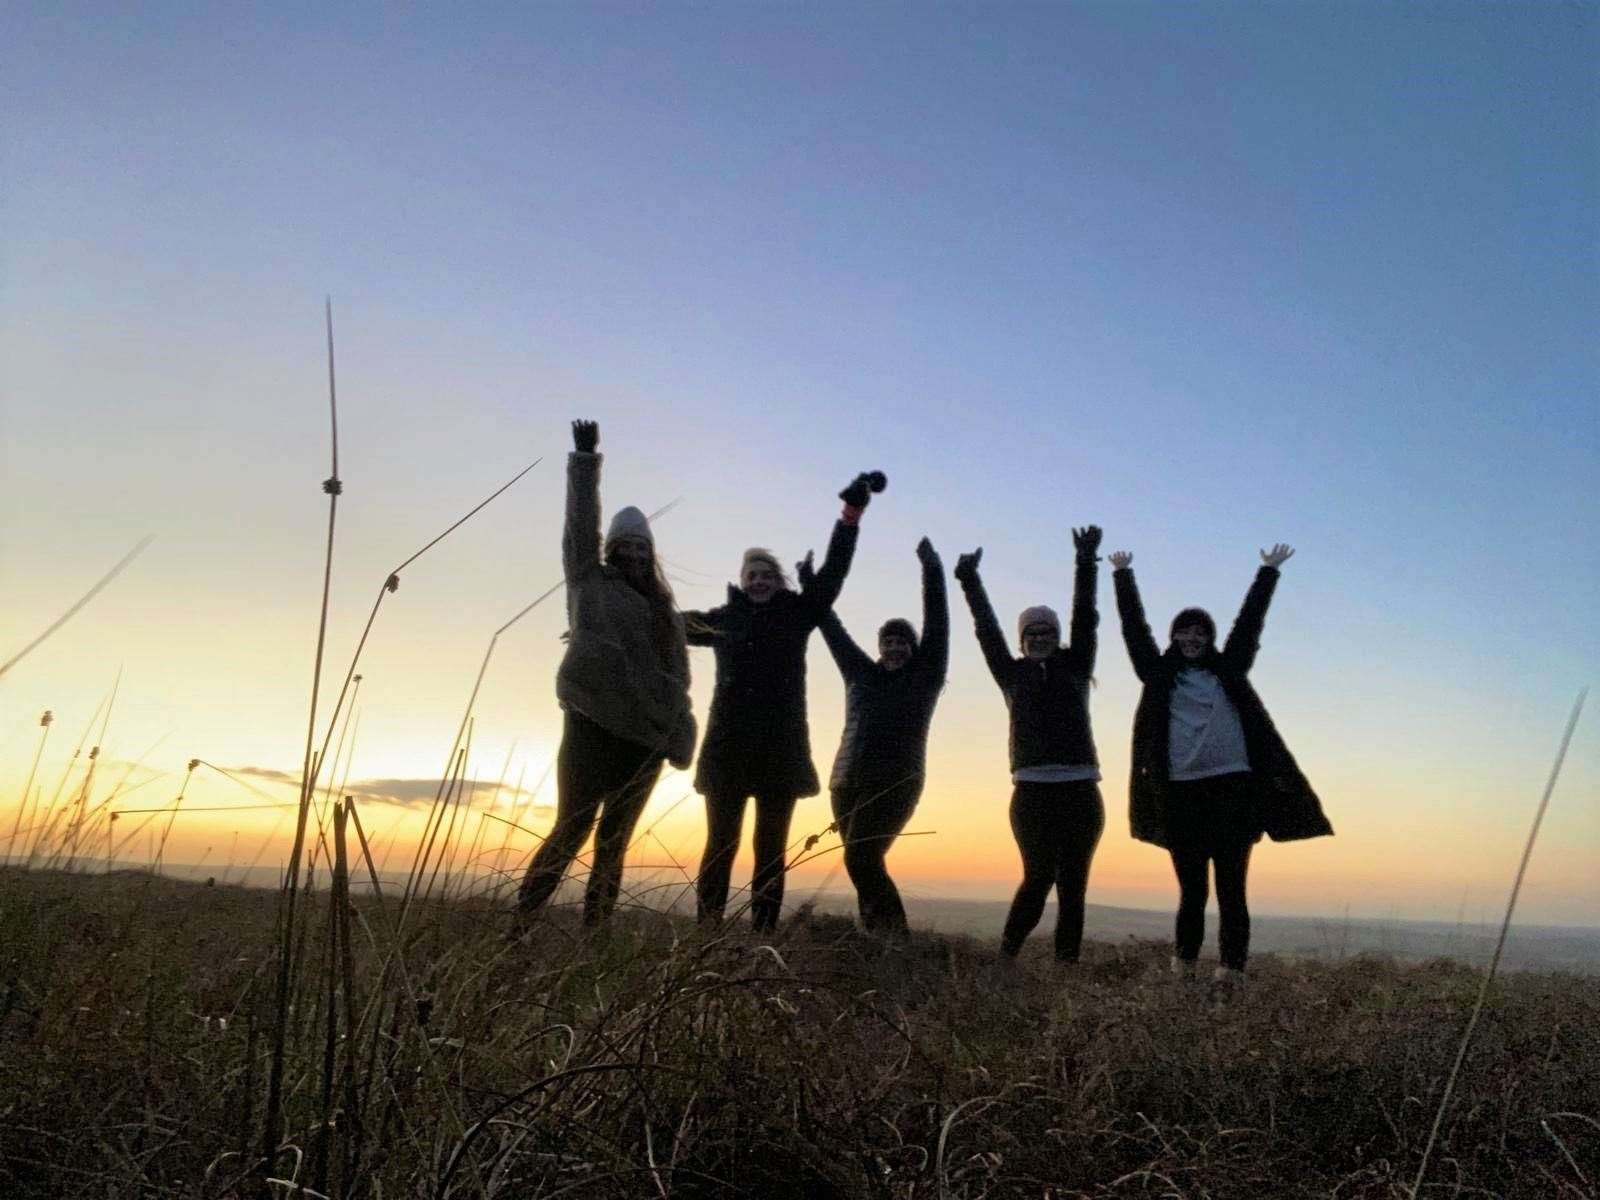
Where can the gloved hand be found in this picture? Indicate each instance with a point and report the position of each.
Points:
(861, 488)
(928, 556)
(1087, 540)
(967, 566)
(585, 436)
(804, 571)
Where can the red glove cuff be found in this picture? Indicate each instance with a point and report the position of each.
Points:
(851, 514)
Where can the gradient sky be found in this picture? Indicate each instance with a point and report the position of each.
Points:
(1210, 276)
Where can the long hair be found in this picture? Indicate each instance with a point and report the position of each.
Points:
(665, 630)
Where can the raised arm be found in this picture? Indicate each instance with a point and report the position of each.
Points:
(1244, 639)
(990, 639)
(852, 660)
(580, 539)
(1142, 649)
(934, 652)
(822, 588)
(1085, 616)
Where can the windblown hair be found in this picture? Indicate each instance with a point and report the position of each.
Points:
(665, 629)
(762, 555)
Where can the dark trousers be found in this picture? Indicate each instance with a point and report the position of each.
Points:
(597, 773)
(1057, 827)
(869, 820)
(1211, 827)
(724, 824)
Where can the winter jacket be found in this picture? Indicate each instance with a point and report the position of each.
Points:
(1286, 807)
(1048, 698)
(758, 741)
(887, 713)
(613, 673)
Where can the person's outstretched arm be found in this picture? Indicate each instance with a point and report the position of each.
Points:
(1142, 649)
(1244, 639)
(934, 651)
(580, 538)
(990, 639)
(827, 581)
(1085, 641)
(850, 658)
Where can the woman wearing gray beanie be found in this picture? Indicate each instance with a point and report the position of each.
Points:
(623, 686)
(1210, 773)
(1057, 815)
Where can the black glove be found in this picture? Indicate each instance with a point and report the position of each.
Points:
(967, 566)
(927, 554)
(862, 486)
(805, 572)
(1087, 540)
(585, 436)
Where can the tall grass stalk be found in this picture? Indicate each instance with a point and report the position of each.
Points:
(332, 487)
(45, 722)
(94, 591)
(1500, 943)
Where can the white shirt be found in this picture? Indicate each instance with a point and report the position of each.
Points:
(1204, 737)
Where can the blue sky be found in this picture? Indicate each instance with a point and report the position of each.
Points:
(1211, 276)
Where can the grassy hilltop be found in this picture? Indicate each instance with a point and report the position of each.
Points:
(656, 1060)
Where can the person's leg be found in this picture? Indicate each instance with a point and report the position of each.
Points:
(877, 822)
(580, 763)
(1083, 820)
(724, 823)
(619, 813)
(773, 814)
(1032, 827)
(1233, 913)
(1192, 865)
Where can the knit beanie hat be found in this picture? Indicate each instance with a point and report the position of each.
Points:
(1194, 616)
(630, 522)
(1039, 614)
(900, 627)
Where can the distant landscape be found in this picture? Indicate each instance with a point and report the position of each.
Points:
(1332, 938)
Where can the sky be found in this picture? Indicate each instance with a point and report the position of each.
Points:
(1210, 276)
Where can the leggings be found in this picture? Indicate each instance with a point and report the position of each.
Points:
(724, 823)
(597, 773)
(869, 821)
(1057, 827)
(1212, 830)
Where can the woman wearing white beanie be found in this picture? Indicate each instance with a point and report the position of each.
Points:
(1057, 814)
(623, 686)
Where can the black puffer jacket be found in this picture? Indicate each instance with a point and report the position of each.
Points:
(1048, 698)
(757, 738)
(1287, 808)
(887, 713)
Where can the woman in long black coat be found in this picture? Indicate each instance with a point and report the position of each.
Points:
(1210, 772)
(757, 740)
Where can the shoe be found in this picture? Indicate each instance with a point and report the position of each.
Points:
(1231, 976)
(1181, 968)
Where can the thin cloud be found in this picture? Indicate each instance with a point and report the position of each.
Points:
(404, 793)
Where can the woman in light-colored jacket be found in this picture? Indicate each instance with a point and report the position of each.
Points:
(623, 687)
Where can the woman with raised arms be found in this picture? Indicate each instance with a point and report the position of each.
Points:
(623, 686)
(879, 771)
(1057, 815)
(1210, 772)
(757, 739)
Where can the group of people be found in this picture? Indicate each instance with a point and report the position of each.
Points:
(1210, 773)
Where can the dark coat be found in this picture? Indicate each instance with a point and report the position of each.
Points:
(757, 739)
(887, 713)
(1286, 808)
(1048, 698)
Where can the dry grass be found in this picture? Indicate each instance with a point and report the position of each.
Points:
(651, 1059)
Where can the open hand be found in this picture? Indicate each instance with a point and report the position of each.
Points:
(1087, 539)
(585, 436)
(967, 565)
(1277, 555)
(804, 571)
(927, 554)
(1121, 559)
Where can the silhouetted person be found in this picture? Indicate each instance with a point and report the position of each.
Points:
(1210, 773)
